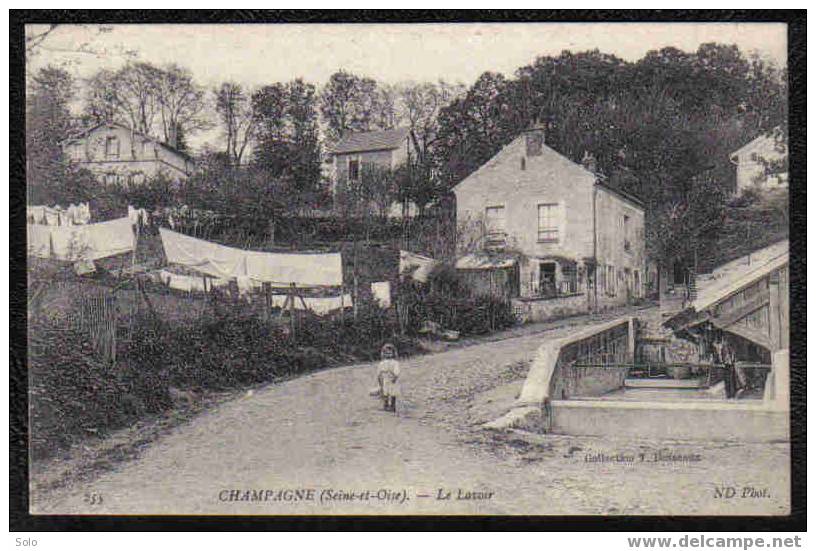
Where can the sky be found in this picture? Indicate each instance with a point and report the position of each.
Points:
(257, 54)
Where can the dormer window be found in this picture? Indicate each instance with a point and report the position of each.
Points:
(112, 147)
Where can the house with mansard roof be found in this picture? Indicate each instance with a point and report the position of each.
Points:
(116, 153)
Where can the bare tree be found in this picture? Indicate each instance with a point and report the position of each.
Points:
(181, 103)
(129, 95)
(236, 112)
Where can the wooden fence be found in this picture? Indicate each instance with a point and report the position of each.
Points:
(96, 315)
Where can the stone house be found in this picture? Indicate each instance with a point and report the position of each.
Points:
(118, 154)
(575, 244)
(751, 160)
(383, 148)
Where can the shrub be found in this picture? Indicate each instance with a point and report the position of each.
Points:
(72, 394)
(446, 299)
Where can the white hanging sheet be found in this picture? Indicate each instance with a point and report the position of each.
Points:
(381, 290)
(39, 240)
(206, 257)
(304, 270)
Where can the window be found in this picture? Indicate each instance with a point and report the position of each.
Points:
(112, 147)
(354, 170)
(76, 152)
(601, 275)
(610, 280)
(495, 226)
(548, 223)
(627, 242)
(523, 163)
(569, 282)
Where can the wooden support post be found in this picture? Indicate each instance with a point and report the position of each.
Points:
(135, 245)
(774, 313)
(292, 311)
(354, 296)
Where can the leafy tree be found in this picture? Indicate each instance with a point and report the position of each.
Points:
(48, 123)
(349, 103)
(372, 194)
(288, 146)
(661, 128)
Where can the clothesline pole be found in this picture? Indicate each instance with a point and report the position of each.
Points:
(292, 310)
(354, 297)
(135, 244)
(343, 303)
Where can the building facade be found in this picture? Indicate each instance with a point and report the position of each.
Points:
(387, 149)
(762, 163)
(117, 154)
(578, 243)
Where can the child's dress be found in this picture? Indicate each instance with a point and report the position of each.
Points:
(388, 376)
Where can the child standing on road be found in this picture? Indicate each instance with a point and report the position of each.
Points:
(388, 373)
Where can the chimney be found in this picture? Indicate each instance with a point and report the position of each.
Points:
(535, 137)
(589, 162)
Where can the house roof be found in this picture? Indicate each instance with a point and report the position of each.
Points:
(555, 156)
(88, 130)
(371, 141)
(479, 261)
(616, 189)
(764, 140)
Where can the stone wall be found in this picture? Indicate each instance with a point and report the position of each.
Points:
(545, 309)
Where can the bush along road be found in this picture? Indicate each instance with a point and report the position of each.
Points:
(320, 444)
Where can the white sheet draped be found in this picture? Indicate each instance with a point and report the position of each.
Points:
(304, 270)
(88, 242)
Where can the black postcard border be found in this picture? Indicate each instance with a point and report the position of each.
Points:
(21, 520)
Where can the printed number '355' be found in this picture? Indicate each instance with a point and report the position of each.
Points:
(93, 499)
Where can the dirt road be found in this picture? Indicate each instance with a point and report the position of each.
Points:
(321, 445)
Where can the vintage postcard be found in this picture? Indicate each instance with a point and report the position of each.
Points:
(408, 269)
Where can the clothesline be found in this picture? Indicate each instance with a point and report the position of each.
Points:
(187, 283)
(279, 269)
(73, 215)
(87, 242)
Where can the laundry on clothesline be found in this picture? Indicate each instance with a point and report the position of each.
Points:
(381, 290)
(183, 282)
(304, 270)
(72, 215)
(416, 266)
(138, 216)
(203, 256)
(84, 267)
(318, 305)
(39, 241)
(88, 242)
